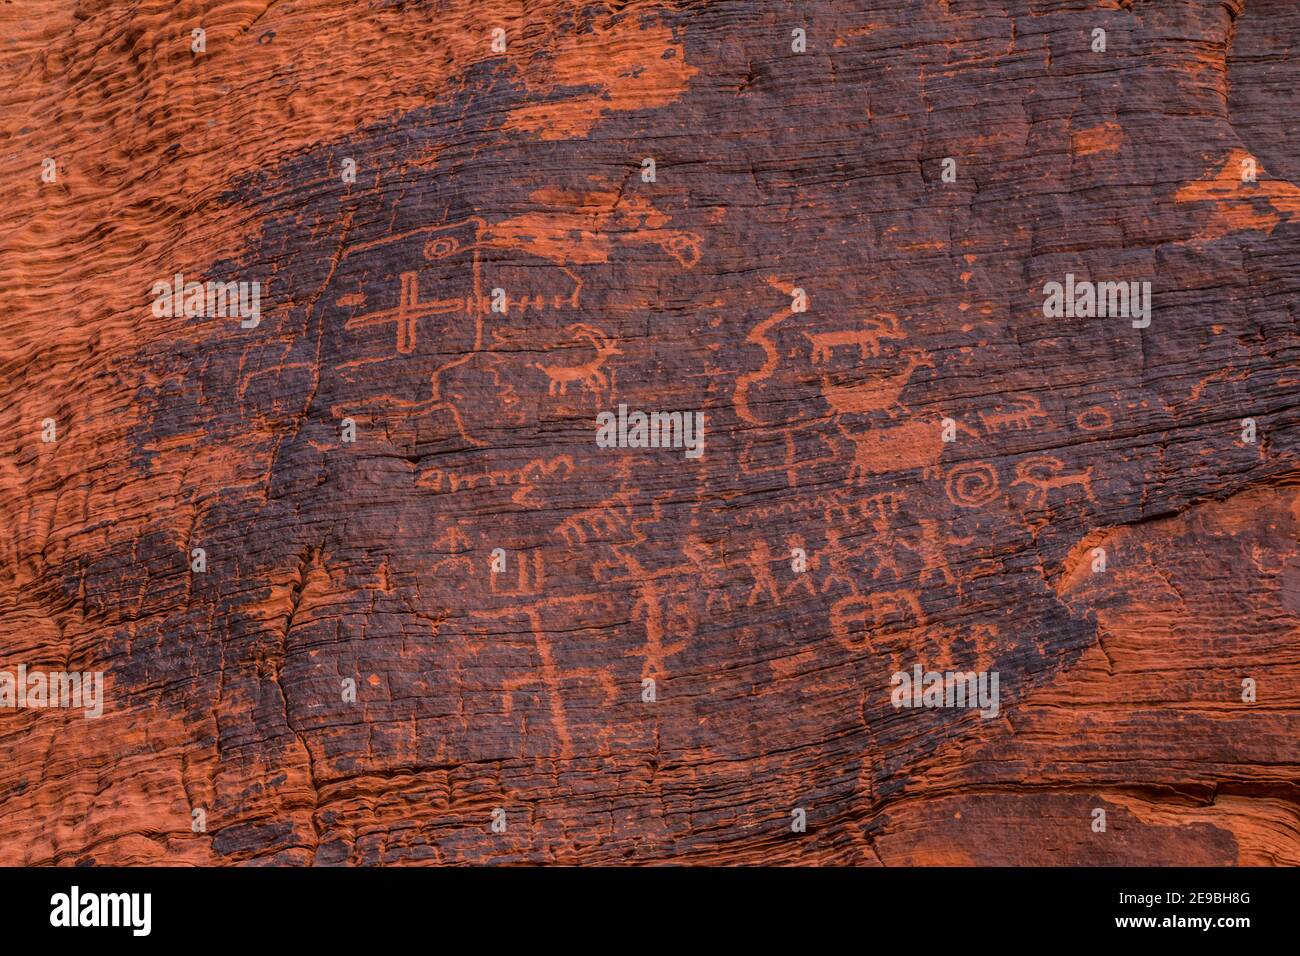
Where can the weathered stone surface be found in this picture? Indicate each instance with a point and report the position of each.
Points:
(774, 171)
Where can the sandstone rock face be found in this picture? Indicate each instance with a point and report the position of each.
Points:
(838, 255)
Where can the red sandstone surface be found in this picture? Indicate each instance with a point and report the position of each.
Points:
(504, 716)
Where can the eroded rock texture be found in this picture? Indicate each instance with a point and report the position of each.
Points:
(775, 170)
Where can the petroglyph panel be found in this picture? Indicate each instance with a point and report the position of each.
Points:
(428, 592)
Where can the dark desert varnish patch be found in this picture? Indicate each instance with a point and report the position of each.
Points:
(523, 689)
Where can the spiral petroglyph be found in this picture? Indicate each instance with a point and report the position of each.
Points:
(972, 485)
